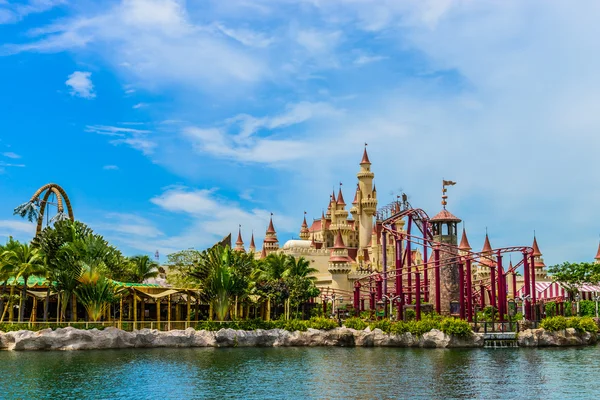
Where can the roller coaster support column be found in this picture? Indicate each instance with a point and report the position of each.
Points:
(425, 261)
(384, 261)
(533, 291)
(418, 296)
(469, 292)
(493, 302)
(482, 298)
(357, 298)
(400, 301)
(461, 291)
(514, 285)
(409, 259)
(501, 289)
(527, 285)
(436, 258)
(378, 287)
(372, 301)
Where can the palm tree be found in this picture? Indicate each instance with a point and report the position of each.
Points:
(95, 292)
(298, 267)
(272, 268)
(25, 262)
(142, 268)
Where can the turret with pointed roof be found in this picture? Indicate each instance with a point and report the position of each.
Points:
(367, 201)
(270, 243)
(597, 258)
(538, 261)
(304, 233)
(239, 243)
(252, 247)
(464, 245)
(339, 261)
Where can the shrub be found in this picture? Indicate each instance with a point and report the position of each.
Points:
(355, 323)
(587, 308)
(383, 324)
(553, 324)
(322, 323)
(410, 314)
(399, 328)
(583, 324)
(550, 309)
(456, 327)
(295, 325)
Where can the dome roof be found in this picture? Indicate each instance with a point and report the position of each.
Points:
(297, 244)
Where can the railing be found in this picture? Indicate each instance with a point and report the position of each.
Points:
(497, 326)
(124, 325)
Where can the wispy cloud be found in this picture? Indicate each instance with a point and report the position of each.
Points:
(10, 154)
(110, 168)
(17, 229)
(134, 138)
(108, 130)
(364, 59)
(81, 84)
(139, 105)
(15, 12)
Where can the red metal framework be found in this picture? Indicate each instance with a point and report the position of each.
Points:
(471, 293)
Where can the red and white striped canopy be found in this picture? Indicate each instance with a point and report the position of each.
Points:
(553, 290)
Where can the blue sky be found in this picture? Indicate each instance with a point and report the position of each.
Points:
(170, 122)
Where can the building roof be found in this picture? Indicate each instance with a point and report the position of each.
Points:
(340, 198)
(598, 253)
(239, 240)
(445, 215)
(339, 241)
(365, 158)
(271, 228)
(487, 247)
(464, 242)
(536, 248)
(252, 245)
(297, 244)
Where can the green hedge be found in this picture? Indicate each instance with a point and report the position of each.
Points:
(355, 323)
(12, 327)
(450, 326)
(581, 324)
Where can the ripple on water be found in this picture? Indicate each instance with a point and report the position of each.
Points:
(275, 373)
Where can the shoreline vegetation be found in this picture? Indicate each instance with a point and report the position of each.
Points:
(429, 333)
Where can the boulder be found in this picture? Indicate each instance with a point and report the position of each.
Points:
(434, 338)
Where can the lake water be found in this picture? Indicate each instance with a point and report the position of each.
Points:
(302, 373)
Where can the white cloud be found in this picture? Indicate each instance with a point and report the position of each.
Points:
(364, 59)
(81, 84)
(4, 164)
(10, 154)
(110, 167)
(144, 145)
(123, 226)
(140, 105)
(17, 229)
(246, 146)
(114, 130)
(15, 12)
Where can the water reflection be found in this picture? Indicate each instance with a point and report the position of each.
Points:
(332, 373)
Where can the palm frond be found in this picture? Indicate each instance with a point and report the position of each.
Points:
(29, 210)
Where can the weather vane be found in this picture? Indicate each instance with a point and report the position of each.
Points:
(444, 190)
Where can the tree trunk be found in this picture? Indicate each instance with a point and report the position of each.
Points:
(47, 304)
(11, 309)
(2, 293)
(74, 310)
(23, 300)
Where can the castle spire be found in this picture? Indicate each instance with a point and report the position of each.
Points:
(365, 158)
(270, 242)
(252, 245)
(536, 248)
(271, 228)
(464, 242)
(304, 233)
(239, 243)
(339, 241)
(487, 247)
(597, 258)
(340, 198)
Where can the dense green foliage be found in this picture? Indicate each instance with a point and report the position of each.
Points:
(450, 326)
(572, 275)
(581, 324)
(355, 323)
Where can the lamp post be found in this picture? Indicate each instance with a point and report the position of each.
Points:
(596, 298)
(577, 302)
(333, 298)
(524, 298)
(391, 299)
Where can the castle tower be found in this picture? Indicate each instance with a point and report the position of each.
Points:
(304, 233)
(339, 262)
(445, 231)
(239, 243)
(270, 243)
(538, 262)
(487, 260)
(367, 205)
(464, 247)
(252, 247)
(597, 258)
(354, 208)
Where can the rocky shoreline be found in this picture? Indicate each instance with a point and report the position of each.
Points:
(112, 338)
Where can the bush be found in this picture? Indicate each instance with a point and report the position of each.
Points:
(322, 324)
(383, 324)
(456, 327)
(355, 323)
(399, 328)
(550, 309)
(582, 324)
(553, 324)
(410, 314)
(587, 308)
(295, 325)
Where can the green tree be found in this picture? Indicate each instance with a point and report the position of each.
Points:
(95, 292)
(572, 275)
(298, 267)
(142, 268)
(25, 261)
